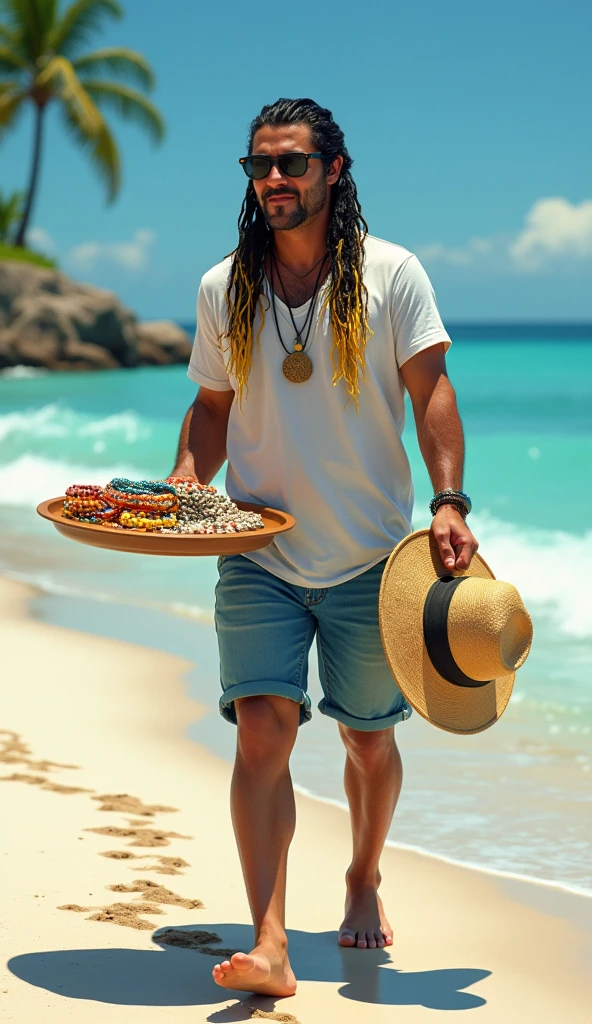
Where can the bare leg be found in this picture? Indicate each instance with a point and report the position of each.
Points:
(373, 777)
(264, 817)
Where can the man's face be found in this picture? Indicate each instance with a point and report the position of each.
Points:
(289, 202)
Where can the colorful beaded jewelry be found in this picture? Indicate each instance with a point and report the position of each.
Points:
(177, 505)
(142, 495)
(84, 491)
(460, 508)
(451, 497)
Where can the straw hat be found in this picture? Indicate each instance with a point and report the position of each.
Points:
(453, 640)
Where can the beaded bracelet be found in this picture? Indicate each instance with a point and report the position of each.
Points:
(149, 503)
(449, 495)
(84, 491)
(142, 495)
(83, 508)
(143, 522)
(460, 507)
(153, 487)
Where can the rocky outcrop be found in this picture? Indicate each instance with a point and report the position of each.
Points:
(48, 320)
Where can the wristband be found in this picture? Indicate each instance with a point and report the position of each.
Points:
(456, 505)
(451, 497)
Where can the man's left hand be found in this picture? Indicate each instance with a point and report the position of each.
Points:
(455, 541)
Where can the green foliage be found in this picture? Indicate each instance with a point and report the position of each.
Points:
(11, 210)
(42, 61)
(17, 252)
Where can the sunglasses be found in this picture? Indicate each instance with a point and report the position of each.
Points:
(294, 165)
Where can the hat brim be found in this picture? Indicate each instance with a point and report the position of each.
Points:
(412, 568)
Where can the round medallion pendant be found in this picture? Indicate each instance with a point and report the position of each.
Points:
(297, 367)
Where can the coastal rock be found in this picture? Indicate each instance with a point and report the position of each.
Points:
(48, 320)
(163, 342)
(7, 353)
(83, 355)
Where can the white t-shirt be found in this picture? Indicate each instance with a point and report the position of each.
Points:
(302, 447)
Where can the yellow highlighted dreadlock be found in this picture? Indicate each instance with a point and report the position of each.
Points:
(242, 307)
(350, 326)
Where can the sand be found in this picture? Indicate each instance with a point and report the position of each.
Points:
(101, 794)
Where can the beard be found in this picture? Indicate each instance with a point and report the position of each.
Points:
(307, 205)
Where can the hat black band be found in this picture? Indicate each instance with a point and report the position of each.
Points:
(435, 631)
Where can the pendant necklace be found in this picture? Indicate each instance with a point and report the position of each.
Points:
(299, 276)
(297, 366)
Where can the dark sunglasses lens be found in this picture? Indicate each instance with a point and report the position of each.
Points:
(293, 164)
(257, 166)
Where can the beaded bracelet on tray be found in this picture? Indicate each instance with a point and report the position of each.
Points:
(146, 505)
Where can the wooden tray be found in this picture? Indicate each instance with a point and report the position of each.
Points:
(99, 536)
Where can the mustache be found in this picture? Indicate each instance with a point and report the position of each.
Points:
(269, 192)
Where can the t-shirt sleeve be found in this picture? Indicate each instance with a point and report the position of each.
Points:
(206, 366)
(417, 323)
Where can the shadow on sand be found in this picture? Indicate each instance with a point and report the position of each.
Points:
(172, 976)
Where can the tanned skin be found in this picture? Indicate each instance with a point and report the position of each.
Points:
(262, 797)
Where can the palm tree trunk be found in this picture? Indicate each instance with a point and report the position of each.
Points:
(22, 230)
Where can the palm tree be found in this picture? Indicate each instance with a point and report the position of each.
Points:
(11, 211)
(41, 61)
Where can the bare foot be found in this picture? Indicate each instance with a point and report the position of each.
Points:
(365, 924)
(263, 971)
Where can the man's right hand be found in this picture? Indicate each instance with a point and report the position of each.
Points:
(179, 473)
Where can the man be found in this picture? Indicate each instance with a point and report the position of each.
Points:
(307, 337)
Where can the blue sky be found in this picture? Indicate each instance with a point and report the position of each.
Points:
(469, 125)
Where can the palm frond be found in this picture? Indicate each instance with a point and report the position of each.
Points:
(11, 106)
(129, 103)
(61, 78)
(11, 210)
(118, 59)
(80, 21)
(31, 22)
(11, 62)
(11, 9)
(11, 37)
(101, 148)
(7, 35)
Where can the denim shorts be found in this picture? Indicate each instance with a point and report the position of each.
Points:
(265, 630)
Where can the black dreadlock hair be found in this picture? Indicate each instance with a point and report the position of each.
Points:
(347, 297)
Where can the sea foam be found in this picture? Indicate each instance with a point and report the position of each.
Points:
(31, 479)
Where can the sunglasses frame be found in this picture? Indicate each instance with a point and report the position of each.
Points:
(275, 162)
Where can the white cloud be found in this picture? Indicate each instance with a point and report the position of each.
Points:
(554, 229)
(41, 239)
(131, 255)
(461, 256)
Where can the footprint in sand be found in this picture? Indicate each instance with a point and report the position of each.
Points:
(140, 836)
(43, 783)
(287, 1018)
(157, 893)
(14, 751)
(163, 865)
(125, 914)
(130, 805)
(192, 939)
(129, 914)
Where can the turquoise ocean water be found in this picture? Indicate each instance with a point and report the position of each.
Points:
(517, 798)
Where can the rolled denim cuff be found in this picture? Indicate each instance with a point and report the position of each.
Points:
(265, 688)
(364, 724)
